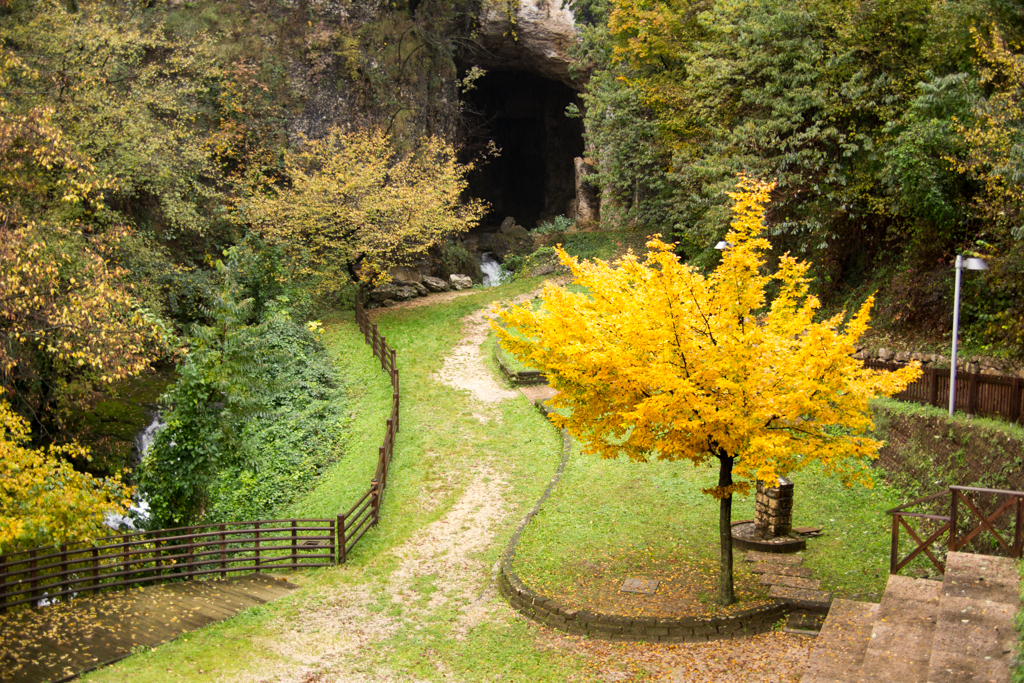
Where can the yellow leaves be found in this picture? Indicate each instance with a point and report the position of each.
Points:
(657, 359)
(78, 321)
(355, 200)
(43, 500)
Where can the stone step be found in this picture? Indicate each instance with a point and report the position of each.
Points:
(781, 569)
(773, 558)
(802, 598)
(901, 639)
(840, 647)
(790, 581)
(803, 622)
(975, 638)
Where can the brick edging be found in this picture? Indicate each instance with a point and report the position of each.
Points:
(548, 611)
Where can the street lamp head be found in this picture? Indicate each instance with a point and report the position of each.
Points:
(723, 245)
(975, 264)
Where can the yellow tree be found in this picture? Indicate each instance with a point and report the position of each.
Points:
(657, 360)
(353, 203)
(43, 499)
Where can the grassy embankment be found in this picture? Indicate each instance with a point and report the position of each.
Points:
(625, 519)
(440, 444)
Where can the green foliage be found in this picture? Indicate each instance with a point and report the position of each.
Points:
(281, 456)
(556, 224)
(884, 121)
(255, 414)
(454, 258)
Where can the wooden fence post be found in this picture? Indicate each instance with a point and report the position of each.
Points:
(933, 386)
(383, 353)
(95, 569)
(895, 547)
(1015, 400)
(190, 542)
(223, 563)
(3, 587)
(953, 509)
(341, 540)
(257, 528)
(972, 393)
(295, 543)
(33, 582)
(125, 556)
(63, 562)
(376, 500)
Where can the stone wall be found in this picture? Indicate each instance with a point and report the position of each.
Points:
(986, 365)
(773, 515)
(647, 629)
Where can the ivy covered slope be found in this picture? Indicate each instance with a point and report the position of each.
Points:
(893, 130)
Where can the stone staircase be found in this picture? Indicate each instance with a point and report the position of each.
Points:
(957, 630)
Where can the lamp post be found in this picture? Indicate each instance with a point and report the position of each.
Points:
(961, 263)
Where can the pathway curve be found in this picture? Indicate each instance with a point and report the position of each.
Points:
(438, 579)
(444, 556)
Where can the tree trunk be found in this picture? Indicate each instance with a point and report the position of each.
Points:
(726, 595)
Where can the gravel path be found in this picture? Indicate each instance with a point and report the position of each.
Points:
(328, 634)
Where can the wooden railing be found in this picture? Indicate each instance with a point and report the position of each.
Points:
(976, 394)
(40, 575)
(366, 512)
(977, 521)
(153, 556)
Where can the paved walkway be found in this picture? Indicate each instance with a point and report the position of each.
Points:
(59, 642)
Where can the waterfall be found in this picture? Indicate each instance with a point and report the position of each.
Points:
(491, 268)
(144, 439)
(139, 510)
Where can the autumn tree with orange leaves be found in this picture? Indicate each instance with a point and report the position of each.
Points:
(658, 360)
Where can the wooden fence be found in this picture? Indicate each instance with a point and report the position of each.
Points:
(39, 575)
(154, 556)
(366, 512)
(976, 394)
(985, 521)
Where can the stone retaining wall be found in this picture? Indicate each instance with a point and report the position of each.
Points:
(614, 626)
(648, 629)
(523, 378)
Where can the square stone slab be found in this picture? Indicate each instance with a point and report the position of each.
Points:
(648, 586)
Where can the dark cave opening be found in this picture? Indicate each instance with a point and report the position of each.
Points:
(533, 179)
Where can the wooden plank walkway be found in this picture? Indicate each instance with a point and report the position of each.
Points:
(55, 643)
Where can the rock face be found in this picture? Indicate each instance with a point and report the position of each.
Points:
(538, 42)
(392, 291)
(435, 284)
(460, 282)
(588, 202)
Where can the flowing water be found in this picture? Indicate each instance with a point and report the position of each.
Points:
(490, 266)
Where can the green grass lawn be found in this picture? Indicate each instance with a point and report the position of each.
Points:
(439, 445)
(611, 517)
(635, 518)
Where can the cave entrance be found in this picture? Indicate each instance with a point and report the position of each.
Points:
(534, 178)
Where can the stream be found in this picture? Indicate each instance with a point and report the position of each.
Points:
(490, 266)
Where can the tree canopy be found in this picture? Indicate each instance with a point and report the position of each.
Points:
(657, 360)
(893, 130)
(354, 205)
(43, 500)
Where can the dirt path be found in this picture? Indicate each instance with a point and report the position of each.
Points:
(438, 571)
